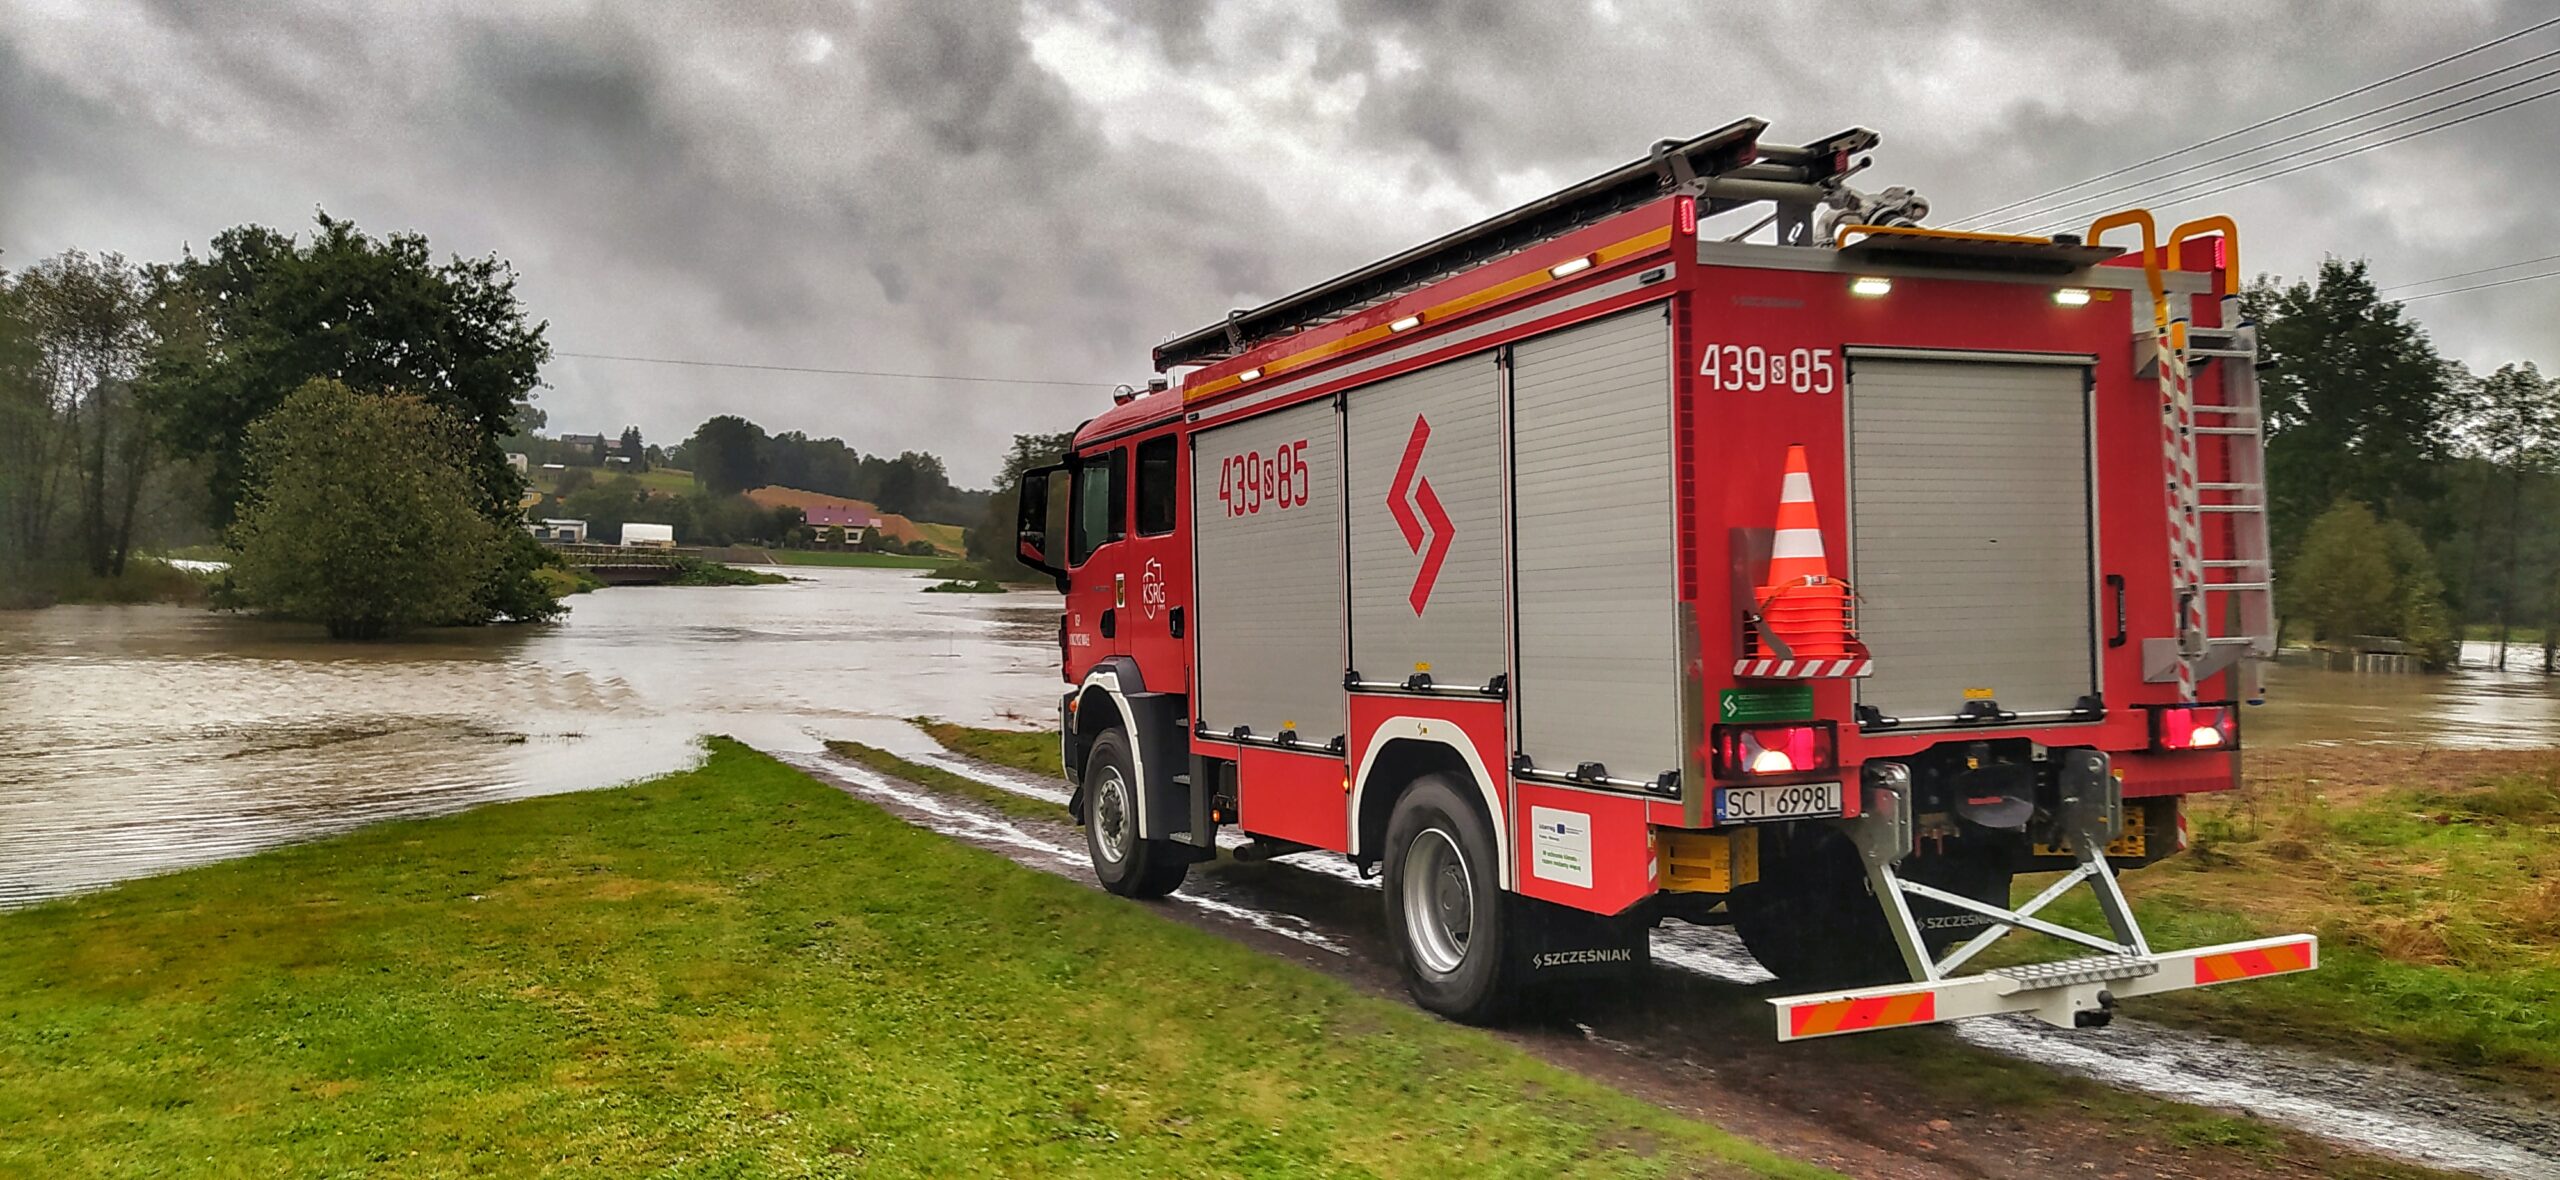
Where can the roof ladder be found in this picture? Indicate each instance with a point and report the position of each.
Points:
(2215, 466)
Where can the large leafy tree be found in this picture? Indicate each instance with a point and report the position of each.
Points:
(362, 512)
(377, 314)
(990, 541)
(728, 455)
(2358, 403)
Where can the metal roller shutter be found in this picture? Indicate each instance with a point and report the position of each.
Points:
(1597, 583)
(1970, 535)
(1269, 555)
(1425, 474)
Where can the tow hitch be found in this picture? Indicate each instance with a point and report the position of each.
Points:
(2069, 993)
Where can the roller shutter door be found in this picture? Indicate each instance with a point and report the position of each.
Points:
(1425, 478)
(1597, 583)
(1969, 529)
(1267, 496)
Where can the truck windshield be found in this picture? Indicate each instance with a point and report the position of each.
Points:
(1100, 516)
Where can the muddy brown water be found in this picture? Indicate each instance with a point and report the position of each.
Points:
(136, 740)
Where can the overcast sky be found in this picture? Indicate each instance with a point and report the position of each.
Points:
(1045, 189)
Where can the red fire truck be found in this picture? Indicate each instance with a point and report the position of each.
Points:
(1583, 569)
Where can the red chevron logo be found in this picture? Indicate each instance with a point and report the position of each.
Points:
(1418, 512)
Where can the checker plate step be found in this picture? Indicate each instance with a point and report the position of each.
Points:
(2094, 969)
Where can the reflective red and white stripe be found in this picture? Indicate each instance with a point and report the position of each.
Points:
(1804, 669)
(2186, 530)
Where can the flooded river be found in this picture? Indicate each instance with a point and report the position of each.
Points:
(138, 739)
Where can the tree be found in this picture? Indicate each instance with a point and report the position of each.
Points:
(377, 314)
(26, 422)
(728, 455)
(990, 542)
(634, 454)
(2357, 575)
(361, 511)
(2356, 403)
(92, 323)
(2512, 420)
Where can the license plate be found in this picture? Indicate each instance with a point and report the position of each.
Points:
(1751, 805)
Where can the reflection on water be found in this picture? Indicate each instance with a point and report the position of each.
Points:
(137, 739)
(2473, 708)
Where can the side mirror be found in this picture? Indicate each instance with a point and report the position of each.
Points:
(1031, 536)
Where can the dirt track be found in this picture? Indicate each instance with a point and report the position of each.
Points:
(1696, 1037)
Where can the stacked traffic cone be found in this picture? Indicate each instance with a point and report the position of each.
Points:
(1801, 605)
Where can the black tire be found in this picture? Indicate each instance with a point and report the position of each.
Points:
(1123, 862)
(1815, 923)
(1455, 937)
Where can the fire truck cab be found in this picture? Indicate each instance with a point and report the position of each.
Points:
(1583, 569)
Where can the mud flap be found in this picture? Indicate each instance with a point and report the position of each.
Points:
(1559, 943)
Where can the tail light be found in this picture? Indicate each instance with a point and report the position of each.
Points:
(1767, 751)
(2195, 727)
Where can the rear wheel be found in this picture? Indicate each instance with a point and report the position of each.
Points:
(1124, 862)
(1815, 923)
(1452, 925)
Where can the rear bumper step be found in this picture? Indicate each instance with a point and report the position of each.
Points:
(2056, 993)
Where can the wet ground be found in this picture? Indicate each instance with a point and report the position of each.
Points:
(140, 739)
(1697, 1034)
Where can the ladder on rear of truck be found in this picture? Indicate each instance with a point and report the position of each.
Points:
(2214, 463)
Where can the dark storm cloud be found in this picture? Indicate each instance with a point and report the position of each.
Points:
(1046, 188)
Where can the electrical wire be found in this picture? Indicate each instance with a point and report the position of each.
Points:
(2548, 274)
(2166, 198)
(2227, 135)
(661, 360)
(2330, 125)
(2468, 273)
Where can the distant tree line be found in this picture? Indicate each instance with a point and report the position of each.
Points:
(731, 454)
(2411, 498)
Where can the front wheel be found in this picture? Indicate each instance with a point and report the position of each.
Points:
(1125, 862)
(1446, 912)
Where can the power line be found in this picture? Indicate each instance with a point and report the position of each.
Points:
(661, 360)
(2548, 274)
(2227, 135)
(2163, 198)
(2468, 273)
(2330, 125)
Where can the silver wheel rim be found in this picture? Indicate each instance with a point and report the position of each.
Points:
(1439, 901)
(1111, 816)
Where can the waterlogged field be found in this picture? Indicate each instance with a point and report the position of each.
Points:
(735, 970)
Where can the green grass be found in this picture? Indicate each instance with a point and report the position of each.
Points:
(735, 971)
(2518, 635)
(865, 560)
(2438, 911)
(664, 481)
(935, 778)
(1033, 750)
(693, 571)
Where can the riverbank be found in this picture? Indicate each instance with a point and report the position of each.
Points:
(733, 969)
(144, 580)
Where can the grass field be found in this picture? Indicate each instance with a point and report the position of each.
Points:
(665, 481)
(2433, 881)
(735, 971)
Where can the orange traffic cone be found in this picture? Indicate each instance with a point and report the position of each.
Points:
(1801, 605)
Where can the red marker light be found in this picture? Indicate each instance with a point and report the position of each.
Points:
(1750, 751)
(2195, 727)
(1684, 214)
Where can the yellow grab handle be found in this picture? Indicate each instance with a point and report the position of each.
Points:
(2150, 255)
(2231, 249)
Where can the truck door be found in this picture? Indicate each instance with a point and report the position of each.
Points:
(1098, 577)
(1155, 626)
(1970, 539)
